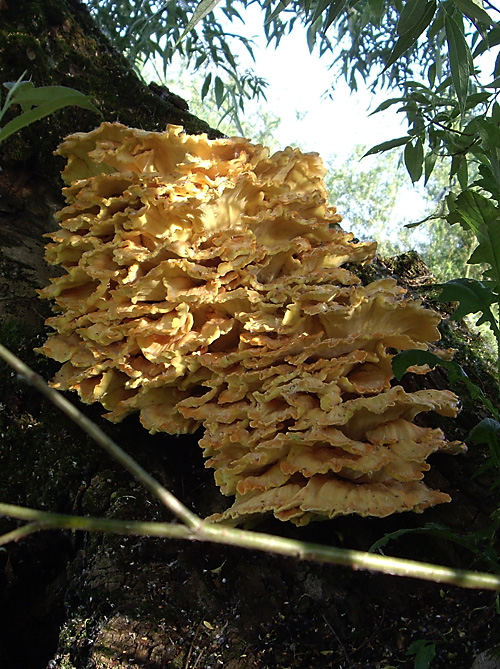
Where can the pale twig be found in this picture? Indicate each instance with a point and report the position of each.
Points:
(261, 542)
(140, 474)
(43, 520)
(21, 532)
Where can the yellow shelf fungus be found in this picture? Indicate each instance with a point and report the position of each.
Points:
(205, 285)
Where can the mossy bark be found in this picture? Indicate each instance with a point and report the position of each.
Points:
(73, 601)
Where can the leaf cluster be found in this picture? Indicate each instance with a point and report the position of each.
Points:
(36, 103)
(151, 31)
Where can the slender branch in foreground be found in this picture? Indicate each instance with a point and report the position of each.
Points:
(253, 541)
(21, 532)
(140, 474)
(198, 530)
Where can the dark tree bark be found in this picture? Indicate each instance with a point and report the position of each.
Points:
(73, 601)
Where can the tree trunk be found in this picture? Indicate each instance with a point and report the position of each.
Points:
(75, 601)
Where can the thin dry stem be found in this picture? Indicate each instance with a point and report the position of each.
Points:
(140, 474)
(253, 541)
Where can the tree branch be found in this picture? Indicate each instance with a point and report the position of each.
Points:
(140, 474)
(267, 543)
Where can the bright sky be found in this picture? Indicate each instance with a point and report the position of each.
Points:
(297, 83)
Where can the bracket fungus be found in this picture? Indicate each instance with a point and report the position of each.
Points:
(206, 284)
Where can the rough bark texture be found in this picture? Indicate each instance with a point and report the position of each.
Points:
(73, 601)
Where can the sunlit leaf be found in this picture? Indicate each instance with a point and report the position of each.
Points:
(460, 58)
(474, 12)
(481, 215)
(202, 9)
(206, 85)
(336, 7)
(491, 40)
(415, 18)
(414, 159)
(219, 91)
(386, 146)
(63, 97)
(386, 104)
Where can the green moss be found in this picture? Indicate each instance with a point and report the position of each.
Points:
(76, 633)
(13, 333)
(57, 42)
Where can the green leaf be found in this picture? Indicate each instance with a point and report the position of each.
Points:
(283, 4)
(424, 652)
(219, 91)
(487, 432)
(411, 14)
(16, 90)
(321, 5)
(202, 9)
(12, 86)
(474, 12)
(405, 359)
(483, 432)
(414, 159)
(63, 98)
(30, 96)
(377, 8)
(429, 163)
(385, 146)
(311, 33)
(460, 58)
(491, 39)
(386, 104)
(473, 297)
(18, 85)
(206, 85)
(481, 215)
(472, 541)
(463, 173)
(431, 73)
(477, 99)
(414, 19)
(336, 8)
(444, 85)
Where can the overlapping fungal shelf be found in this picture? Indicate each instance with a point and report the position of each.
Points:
(205, 284)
